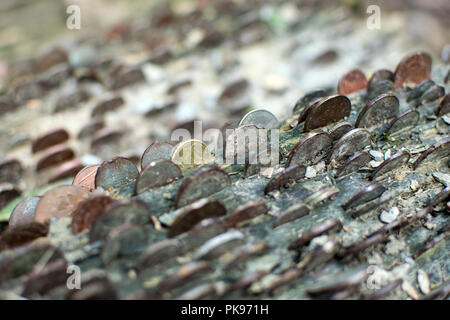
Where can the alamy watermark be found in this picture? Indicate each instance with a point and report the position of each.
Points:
(73, 21)
(374, 20)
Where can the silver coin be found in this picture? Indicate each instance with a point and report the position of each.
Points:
(261, 118)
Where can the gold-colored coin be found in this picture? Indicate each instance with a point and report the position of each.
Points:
(191, 153)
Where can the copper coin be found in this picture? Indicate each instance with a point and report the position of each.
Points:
(66, 170)
(49, 138)
(88, 211)
(85, 179)
(24, 211)
(353, 81)
(413, 69)
(59, 202)
(53, 156)
(328, 110)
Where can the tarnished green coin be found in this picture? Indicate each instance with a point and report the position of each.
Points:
(157, 150)
(157, 174)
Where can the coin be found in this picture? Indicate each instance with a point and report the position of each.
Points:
(352, 81)
(413, 69)
(261, 118)
(191, 153)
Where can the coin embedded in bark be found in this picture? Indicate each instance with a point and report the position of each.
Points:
(11, 170)
(42, 280)
(133, 211)
(419, 90)
(59, 202)
(53, 156)
(191, 153)
(307, 109)
(354, 163)
(88, 211)
(295, 212)
(377, 111)
(242, 143)
(380, 75)
(406, 119)
(91, 128)
(158, 253)
(340, 129)
(391, 163)
(66, 170)
(438, 150)
(126, 77)
(261, 118)
(317, 230)
(433, 93)
(203, 231)
(49, 139)
(106, 105)
(8, 192)
(413, 69)
(444, 106)
(311, 149)
(24, 211)
(106, 136)
(328, 110)
(440, 197)
(157, 174)
(15, 236)
(322, 195)
(194, 213)
(353, 141)
(184, 275)
(294, 173)
(220, 245)
(157, 150)
(307, 98)
(119, 174)
(263, 159)
(201, 184)
(369, 193)
(85, 179)
(246, 212)
(352, 81)
(381, 87)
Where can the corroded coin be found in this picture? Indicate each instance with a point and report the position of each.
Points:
(220, 245)
(381, 87)
(352, 164)
(433, 93)
(88, 211)
(66, 170)
(307, 109)
(340, 129)
(42, 280)
(107, 104)
(11, 170)
(246, 212)
(295, 212)
(15, 236)
(117, 175)
(413, 69)
(320, 229)
(295, 172)
(404, 120)
(194, 213)
(378, 110)
(437, 151)
(419, 90)
(8, 192)
(380, 75)
(191, 153)
(352, 81)
(353, 141)
(59, 202)
(157, 150)
(391, 163)
(203, 231)
(120, 212)
(307, 98)
(201, 184)
(53, 156)
(369, 193)
(158, 253)
(311, 149)
(328, 110)
(49, 139)
(261, 118)
(444, 106)
(24, 211)
(85, 179)
(157, 174)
